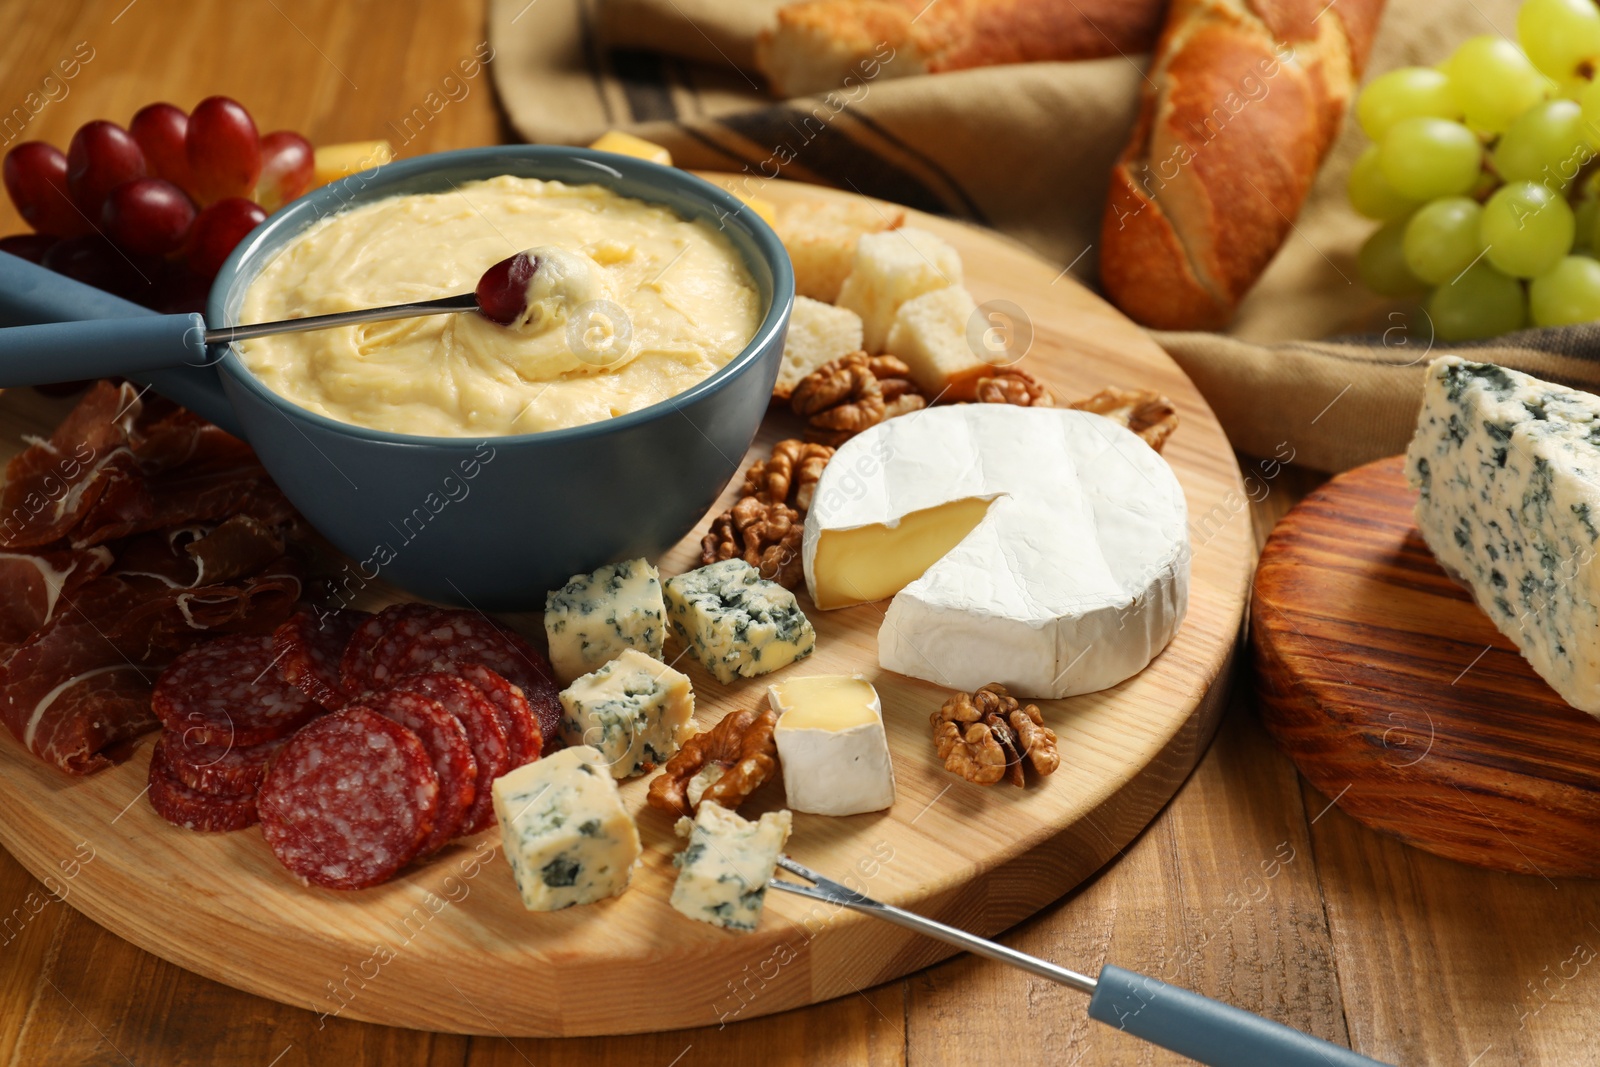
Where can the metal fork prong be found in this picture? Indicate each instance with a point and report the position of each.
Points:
(838, 893)
(801, 889)
(794, 868)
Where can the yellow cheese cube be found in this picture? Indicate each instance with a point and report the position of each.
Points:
(765, 208)
(626, 144)
(335, 161)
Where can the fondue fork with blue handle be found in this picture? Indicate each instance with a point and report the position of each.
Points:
(1203, 1029)
(97, 348)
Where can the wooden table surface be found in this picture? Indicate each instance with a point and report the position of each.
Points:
(1248, 887)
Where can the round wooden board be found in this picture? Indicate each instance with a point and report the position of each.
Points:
(448, 946)
(1396, 696)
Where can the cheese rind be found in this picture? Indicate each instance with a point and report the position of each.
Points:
(723, 871)
(736, 623)
(567, 837)
(1076, 576)
(636, 711)
(594, 617)
(832, 745)
(1508, 471)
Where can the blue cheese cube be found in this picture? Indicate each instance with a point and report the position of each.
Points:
(567, 836)
(736, 623)
(723, 871)
(594, 617)
(635, 710)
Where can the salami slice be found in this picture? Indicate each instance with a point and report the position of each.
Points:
(459, 637)
(191, 809)
(445, 738)
(218, 770)
(486, 731)
(522, 728)
(349, 800)
(228, 692)
(310, 644)
(385, 662)
(355, 666)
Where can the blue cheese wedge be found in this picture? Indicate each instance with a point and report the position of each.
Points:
(723, 871)
(832, 745)
(635, 711)
(736, 623)
(567, 836)
(594, 617)
(1508, 468)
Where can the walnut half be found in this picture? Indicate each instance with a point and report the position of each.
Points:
(766, 536)
(988, 735)
(853, 393)
(741, 744)
(1144, 411)
(790, 475)
(1013, 386)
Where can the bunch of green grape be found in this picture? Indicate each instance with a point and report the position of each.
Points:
(1484, 173)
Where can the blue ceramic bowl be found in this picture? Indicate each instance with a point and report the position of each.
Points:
(494, 523)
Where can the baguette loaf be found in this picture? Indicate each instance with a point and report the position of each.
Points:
(1242, 102)
(818, 44)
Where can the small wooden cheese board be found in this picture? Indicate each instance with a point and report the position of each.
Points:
(448, 946)
(1400, 700)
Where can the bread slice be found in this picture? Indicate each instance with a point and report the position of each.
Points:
(931, 334)
(817, 45)
(891, 268)
(818, 333)
(828, 44)
(821, 238)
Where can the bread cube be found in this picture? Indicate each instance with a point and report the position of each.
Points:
(891, 268)
(931, 334)
(635, 710)
(821, 237)
(818, 333)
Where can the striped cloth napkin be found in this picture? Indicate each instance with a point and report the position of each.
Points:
(1314, 366)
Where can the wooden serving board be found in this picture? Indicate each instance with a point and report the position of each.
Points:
(448, 946)
(1398, 698)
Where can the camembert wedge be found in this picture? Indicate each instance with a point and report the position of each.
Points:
(832, 745)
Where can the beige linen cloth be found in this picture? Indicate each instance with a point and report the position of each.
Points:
(1312, 359)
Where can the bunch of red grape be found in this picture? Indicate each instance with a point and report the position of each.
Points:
(150, 212)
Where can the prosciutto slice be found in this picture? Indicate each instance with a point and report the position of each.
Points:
(32, 585)
(136, 531)
(81, 684)
(84, 467)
